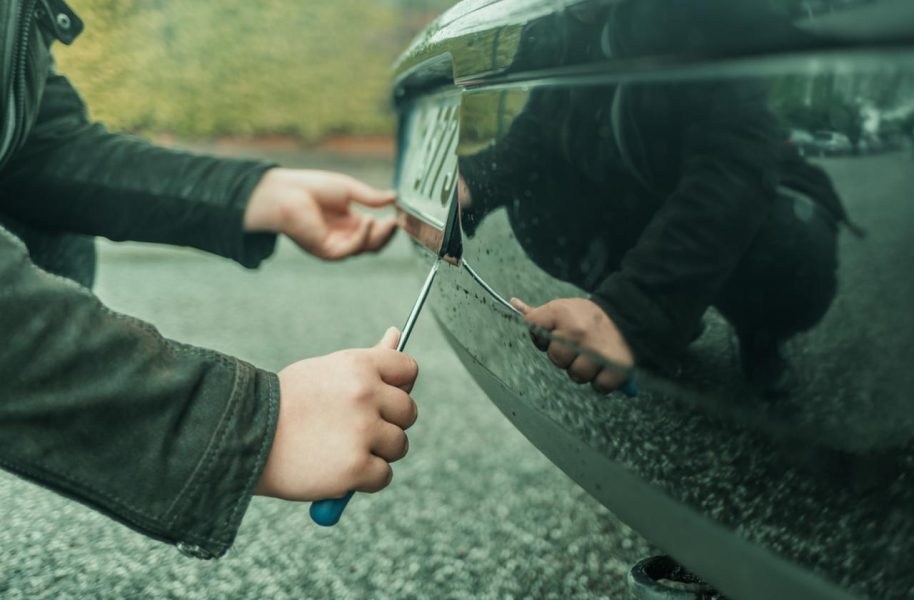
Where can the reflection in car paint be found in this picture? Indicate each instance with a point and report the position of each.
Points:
(495, 295)
(576, 130)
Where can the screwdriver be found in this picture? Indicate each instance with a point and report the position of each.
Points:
(328, 512)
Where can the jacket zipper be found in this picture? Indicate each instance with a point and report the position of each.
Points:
(28, 9)
(18, 72)
(8, 128)
(9, 140)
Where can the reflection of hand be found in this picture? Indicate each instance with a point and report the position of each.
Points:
(314, 208)
(463, 193)
(585, 324)
(341, 421)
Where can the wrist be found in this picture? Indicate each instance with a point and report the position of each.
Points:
(263, 210)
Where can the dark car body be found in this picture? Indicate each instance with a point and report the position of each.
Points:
(806, 496)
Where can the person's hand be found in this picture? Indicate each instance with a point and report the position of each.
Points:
(585, 324)
(314, 208)
(341, 422)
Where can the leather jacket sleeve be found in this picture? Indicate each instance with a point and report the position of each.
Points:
(167, 438)
(73, 175)
(694, 241)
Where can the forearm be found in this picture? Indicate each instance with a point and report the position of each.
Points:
(166, 438)
(125, 188)
(73, 175)
(671, 277)
(684, 257)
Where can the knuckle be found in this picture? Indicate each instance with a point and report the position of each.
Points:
(379, 480)
(356, 361)
(605, 382)
(359, 463)
(575, 331)
(363, 425)
(362, 358)
(361, 389)
(577, 376)
(359, 392)
(399, 447)
(388, 477)
(405, 445)
(406, 364)
(413, 412)
(364, 392)
(559, 355)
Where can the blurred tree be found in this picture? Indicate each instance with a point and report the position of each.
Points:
(237, 67)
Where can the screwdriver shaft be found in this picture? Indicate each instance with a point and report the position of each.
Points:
(417, 307)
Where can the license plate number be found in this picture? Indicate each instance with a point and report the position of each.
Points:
(428, 169)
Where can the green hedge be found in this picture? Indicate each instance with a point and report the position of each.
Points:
(237, 67)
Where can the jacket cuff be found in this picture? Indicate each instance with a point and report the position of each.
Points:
(631, 310)
(248, 249)
(207, 516)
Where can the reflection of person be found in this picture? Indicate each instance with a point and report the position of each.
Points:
(169, 439)
(662, 200)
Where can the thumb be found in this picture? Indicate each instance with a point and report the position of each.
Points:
(390, 340)
(520, 305)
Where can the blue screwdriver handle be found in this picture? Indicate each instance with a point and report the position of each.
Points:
(630, 388)
(327, 513)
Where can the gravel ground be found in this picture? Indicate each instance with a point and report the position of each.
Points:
(474, 510)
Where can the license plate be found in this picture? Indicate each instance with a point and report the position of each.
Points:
(428, 165)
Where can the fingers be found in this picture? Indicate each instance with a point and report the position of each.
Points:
(542, 316)
(580, 368)
(396, 368)
(381, 232)
(374, 475)
(390, 340)
(583, 370)
(364, 194)
(607, 381)
(545, 317)
(370, 235)
(539, 340)
(561, 355)
(396, 407)
(346, 245)
(390, 443)
(520, 305)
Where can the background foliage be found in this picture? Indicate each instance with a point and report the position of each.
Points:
(235, 67)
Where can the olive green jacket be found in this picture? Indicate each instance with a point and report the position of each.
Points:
(166, 438)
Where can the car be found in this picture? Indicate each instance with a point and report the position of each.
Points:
(831, 143)
(803, 141)
(627, 162)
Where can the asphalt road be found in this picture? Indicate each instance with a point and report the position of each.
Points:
(474, 510)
